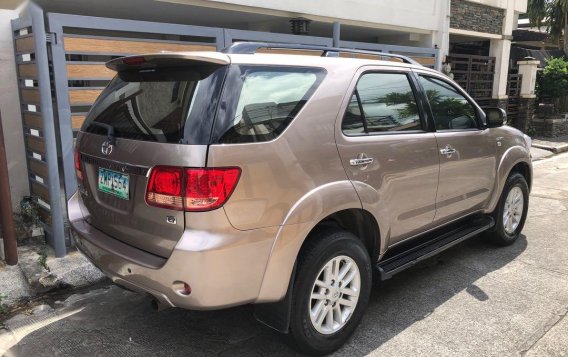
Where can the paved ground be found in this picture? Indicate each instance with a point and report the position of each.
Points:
(474, 300)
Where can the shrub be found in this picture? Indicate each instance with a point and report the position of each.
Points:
(553, 79)
(552, 83)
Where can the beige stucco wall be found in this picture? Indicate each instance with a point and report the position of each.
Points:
(10, 109)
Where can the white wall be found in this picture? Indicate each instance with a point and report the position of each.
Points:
(10, 109)
(420, 15)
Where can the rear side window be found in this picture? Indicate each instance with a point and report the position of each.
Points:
(169, 105)
(260, 102)
(381, 102)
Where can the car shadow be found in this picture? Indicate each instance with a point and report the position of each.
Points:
(118, 322)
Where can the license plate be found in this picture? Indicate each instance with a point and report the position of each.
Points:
(114, 183)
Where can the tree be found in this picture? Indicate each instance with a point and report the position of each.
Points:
(552, 12)
(537, 12)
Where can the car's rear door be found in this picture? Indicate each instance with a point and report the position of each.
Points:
(465, 148)
(385, 145)
(157, 112)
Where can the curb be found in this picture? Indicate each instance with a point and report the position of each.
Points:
(555, 149)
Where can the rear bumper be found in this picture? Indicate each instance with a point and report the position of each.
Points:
(224, 267)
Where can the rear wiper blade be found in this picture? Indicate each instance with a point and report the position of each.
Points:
(110, 131)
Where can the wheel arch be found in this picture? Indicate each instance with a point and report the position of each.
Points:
(515, 159)
(335, 204)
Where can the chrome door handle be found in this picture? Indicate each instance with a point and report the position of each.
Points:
(448, 151)
(361, 162)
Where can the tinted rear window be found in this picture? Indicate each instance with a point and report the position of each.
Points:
(170, 105)
(259, 102)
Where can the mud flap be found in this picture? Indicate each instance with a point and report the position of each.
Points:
(276, 315)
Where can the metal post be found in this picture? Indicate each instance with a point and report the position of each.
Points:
(49, 133)
(8, 230)
(336, 34)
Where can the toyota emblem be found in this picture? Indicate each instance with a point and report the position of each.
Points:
(106, 148)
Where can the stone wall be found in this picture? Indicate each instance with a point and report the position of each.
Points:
(549, 127)
(525, 114)
(465, 15)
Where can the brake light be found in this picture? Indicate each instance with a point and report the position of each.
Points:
(191, 189)
(165, 187)
(133, 60)
(78, 171)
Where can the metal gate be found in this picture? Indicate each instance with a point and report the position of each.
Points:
(475, 74)
(514, 92)
(67, 58)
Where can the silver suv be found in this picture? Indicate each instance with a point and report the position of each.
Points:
(210, 180)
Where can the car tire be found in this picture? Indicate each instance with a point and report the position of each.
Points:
(511, 212)
(330, 258)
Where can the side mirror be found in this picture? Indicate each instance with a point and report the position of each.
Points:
(495, 117)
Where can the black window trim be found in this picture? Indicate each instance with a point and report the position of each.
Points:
(428, 108)
(415, 89)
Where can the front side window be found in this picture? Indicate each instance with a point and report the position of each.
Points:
(260, 102)
(381, 102)
(451, 110)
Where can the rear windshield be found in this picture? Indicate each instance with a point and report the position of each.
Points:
(259, 102)
(169, 105)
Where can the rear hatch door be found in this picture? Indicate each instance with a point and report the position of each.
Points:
(158, 110)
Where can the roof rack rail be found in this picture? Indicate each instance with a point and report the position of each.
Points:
(250, 48)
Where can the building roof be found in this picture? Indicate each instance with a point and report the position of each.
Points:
(518, 54)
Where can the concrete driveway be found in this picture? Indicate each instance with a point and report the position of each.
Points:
(473, 300)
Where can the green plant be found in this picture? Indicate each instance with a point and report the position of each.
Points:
(42, 259)
(3, 308)
(531, 131)
(29, 210)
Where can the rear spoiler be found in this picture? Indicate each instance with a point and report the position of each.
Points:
(167, 59)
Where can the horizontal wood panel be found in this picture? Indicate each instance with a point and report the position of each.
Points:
(27, 70)
(97, 45)
(30, 95)
(25, 44)
(77, 121)
(38, 168)
(44, 216)
(83, 96)
(35, 144)
(32, 120)
(425, 61)
(286, 51)
(85, 71)
(40, 191)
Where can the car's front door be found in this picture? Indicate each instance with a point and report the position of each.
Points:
(387, 151)
(466, 150)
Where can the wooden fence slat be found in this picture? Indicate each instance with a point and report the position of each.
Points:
(38, 168)
(86, 71)
(83, 96)
(30, 96)
(285, 51)
(25, 44)
(40, 191)
(77, 121)
(44, 216)
(27, 70)
(97, 45)
(32, 120)
(35, 144)
(425, 61)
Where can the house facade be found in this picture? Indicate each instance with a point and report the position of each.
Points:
(52, 55)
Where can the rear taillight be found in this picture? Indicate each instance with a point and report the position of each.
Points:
(78, 171)
(191, 189)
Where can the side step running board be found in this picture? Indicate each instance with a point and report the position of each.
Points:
(439, 242)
